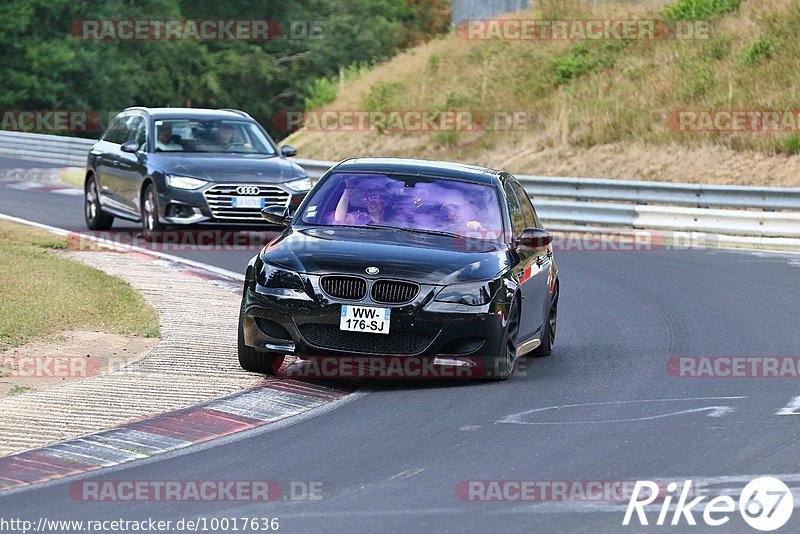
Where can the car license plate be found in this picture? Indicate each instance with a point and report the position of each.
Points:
(363, 319)
(248, 202)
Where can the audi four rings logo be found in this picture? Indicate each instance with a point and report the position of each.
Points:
(247, 190)
(373, 270)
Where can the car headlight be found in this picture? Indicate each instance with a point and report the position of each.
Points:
(273, 277)
(303, 184)
(184, 182)
(471, 294)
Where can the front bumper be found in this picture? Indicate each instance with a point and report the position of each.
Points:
(211, 206)
(306, 324)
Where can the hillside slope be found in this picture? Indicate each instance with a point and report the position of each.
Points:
(601, 108)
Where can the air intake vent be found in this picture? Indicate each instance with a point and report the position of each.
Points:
(220, 200)
(329, 336)
(344, 287)
(394, 292)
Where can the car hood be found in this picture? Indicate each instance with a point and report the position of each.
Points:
(423, 258)
(231, 167)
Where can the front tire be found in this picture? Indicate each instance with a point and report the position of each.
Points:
(96, 219)
(254, 361)
(506, 359)
(549, 331)
(151, 225)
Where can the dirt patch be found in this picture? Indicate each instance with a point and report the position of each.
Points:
(68, 357)
(670, 162)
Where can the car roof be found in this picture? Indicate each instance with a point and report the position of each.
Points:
(421, 167)
(192, 113)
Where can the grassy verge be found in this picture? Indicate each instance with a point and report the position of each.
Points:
(44, 293)
(73, 176)
(582, 95)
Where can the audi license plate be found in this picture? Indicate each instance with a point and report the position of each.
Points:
(248, 202)
(363, 319)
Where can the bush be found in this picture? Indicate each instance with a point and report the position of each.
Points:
(718, 47)
(584, 57)
(382, 96)
(758, 50)
(791, 145)
(699, 9)
(321, 92)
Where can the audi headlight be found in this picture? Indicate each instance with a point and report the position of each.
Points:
(471, 294)
(184, 182)
(303, 184)
(273, 277)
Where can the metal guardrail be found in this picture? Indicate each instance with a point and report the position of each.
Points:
(48, 148)
(749, 211)
(656, 205)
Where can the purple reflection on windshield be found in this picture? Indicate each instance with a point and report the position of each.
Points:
(435, 204)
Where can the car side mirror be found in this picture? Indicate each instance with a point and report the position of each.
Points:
(277, 215)
(534, 238)
(131, 147)
(288, 151)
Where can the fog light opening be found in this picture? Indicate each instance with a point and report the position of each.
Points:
(180, 211)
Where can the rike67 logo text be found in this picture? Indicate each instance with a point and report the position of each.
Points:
(765, 504)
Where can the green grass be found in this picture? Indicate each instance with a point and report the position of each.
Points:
(73, 176)
(699, 9)
(758, 50)
(17, 390)
(44, 293)
(591, 93)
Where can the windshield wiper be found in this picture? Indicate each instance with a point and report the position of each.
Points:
(395, 228)
(430, 232)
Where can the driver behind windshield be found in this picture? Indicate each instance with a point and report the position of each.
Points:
(164, 138)
(225, 135)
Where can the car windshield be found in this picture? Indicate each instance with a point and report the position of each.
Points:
(228, 136)
(412, 203)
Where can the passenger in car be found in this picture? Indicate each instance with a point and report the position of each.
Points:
(456, 219)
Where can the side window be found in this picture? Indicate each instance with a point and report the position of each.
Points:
(514, 210)
(135, 130)
(528, 213)
(130, 128)
(116, 131)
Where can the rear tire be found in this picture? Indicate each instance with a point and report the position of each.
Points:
(254, 361)
(549, 330)
(506, 359)
(96, 219)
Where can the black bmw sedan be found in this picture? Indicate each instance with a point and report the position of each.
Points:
(395, 258)
(171, 167)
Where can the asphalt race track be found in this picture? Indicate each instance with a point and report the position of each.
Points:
(602, 407)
